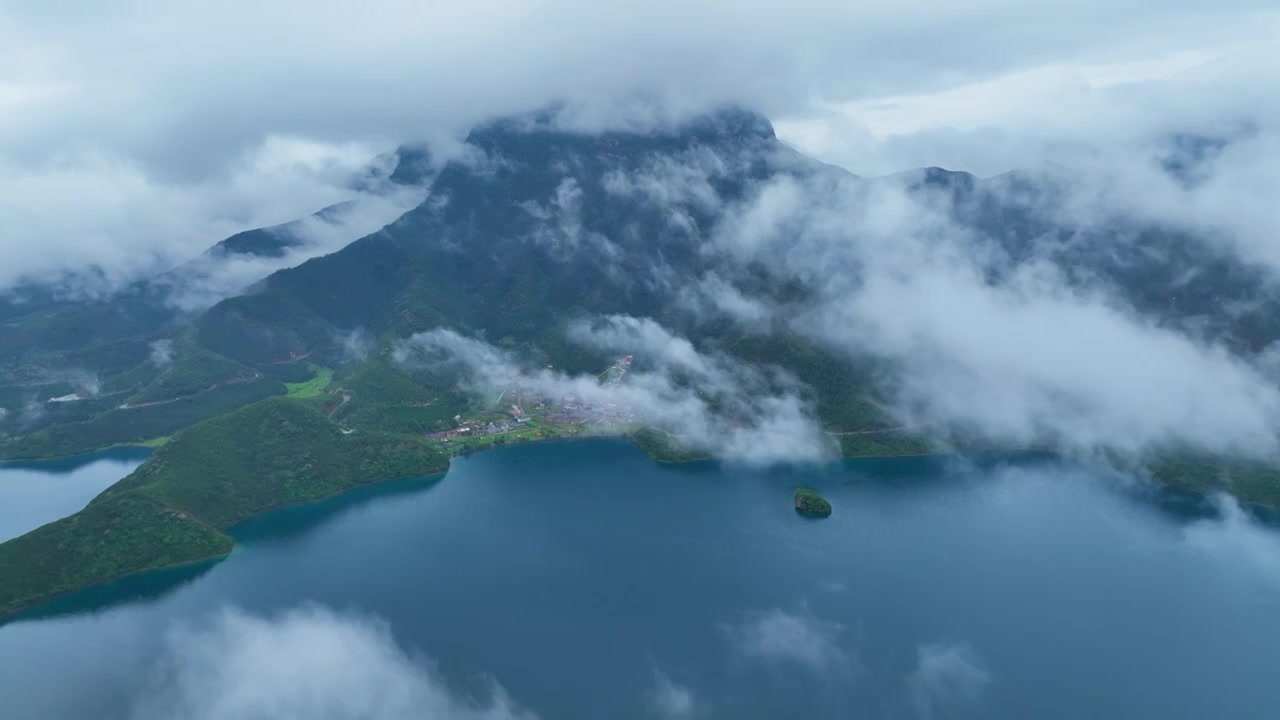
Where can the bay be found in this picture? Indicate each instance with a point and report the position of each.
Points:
(587, 581)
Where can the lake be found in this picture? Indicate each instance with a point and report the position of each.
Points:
(582, 580)
(34, 493)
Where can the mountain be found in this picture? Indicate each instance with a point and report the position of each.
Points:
(675, 247)
(536, 227)
(47, 333)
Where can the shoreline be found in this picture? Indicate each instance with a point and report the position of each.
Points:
(150, 445)
(227, 531)
(439, 476)
(329, 496)
(15, 614)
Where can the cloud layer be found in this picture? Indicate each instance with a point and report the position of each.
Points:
(306, 663)
(708, 402)
(1033, 349)
(135, 135)
(798, 638)
(949, 681)
(104, 219)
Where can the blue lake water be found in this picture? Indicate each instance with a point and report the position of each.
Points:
(586, 581)
(34, 493)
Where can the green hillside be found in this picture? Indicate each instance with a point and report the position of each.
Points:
(191, 372)
(137, 424)
(174, 507)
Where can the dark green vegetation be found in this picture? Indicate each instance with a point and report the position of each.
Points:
(884, 443)
(661, 446)
(1252, 481)
(115, 538)
(193, 371)
(174, 507)
(138, 424)
(811, 503)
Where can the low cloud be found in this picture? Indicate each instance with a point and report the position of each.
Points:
(161, 352)
(800, 638)
(92, 222)
(709, 402)
(33, 411)
(136, 160)
(1032, 361)
(949, 681)
(1235, 539)
(714, 297)
(308, 663)
(84, 381)
(558, 226)
(672, 700)
(356, 345)
(1012, 349)
(204, 281)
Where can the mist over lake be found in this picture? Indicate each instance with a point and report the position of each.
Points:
(584, 580)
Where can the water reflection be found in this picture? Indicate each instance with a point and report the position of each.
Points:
(141, 589)
(297, 520)
(35, 493)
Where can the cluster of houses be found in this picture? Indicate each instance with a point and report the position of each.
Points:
(473, 430)
(569, 410)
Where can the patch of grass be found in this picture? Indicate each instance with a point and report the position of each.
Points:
(313, 387)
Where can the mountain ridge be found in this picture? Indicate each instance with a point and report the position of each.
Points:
(538, 226)
(539, 256)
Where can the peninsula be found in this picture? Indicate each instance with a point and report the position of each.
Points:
(174, 508)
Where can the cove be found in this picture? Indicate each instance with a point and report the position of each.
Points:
(39, 492)
(590, 582)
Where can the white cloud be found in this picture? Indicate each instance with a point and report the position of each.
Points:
(129, 131)
(713, 296)
(1032, 361)
(356, 345)
(949, 681)
(108, 214)
(307, 663)
(778, 636)
(1013, 350)
(558, 224)
(1237, 540)
(161, 352)
(209, 278)
(709, 402)
(1066, 111)
(672, 700)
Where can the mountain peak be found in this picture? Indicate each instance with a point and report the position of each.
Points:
(726, 123)
(729, 122)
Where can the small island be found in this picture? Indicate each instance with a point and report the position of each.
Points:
(811, 504)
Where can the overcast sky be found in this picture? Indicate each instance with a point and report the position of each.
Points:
(137, 132)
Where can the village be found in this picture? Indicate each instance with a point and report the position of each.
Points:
(521, 414)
